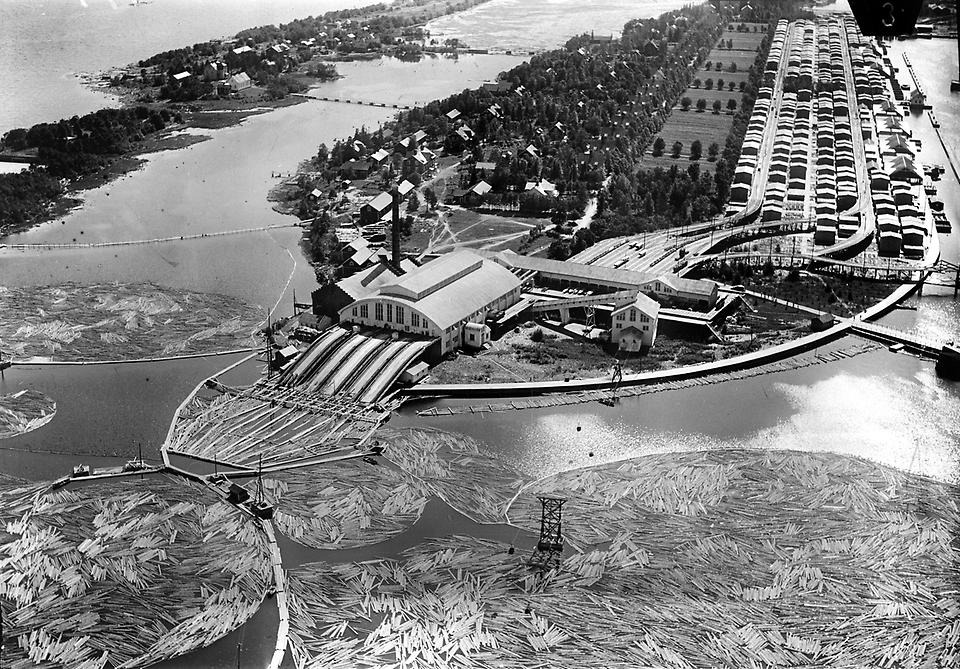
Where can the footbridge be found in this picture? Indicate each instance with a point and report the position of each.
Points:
(360, 365)
(351, 101)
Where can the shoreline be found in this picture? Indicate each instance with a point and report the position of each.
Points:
(171, 138)
(212, 114)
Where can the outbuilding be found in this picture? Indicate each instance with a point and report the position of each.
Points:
(635, 324)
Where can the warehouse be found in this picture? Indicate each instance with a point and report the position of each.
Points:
(439, 299)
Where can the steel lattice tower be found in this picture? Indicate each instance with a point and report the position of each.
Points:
(550, 546)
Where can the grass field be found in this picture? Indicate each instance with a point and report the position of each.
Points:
(455, 227)
(691, 125)
(687, 127)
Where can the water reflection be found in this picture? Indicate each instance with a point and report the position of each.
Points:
(907, 423)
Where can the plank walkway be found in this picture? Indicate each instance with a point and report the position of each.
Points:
(349, 101)
(279, 582)
(609, 396)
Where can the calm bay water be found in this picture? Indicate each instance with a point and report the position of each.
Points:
(522, 25)
(44, 44)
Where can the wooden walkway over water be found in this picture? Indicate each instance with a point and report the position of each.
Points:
(351, 101)
(912, 342)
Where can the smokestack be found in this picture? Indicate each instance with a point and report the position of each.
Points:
(395, 233)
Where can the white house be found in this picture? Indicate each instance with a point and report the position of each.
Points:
(239, 82)
(635, 324)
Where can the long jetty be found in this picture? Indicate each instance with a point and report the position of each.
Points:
(137, 242)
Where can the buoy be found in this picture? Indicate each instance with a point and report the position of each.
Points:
(579, 428)
(510, 551)
(591, 454)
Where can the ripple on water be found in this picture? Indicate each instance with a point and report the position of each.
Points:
(910, 424)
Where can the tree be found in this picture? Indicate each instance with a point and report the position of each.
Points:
(697, 83)
(708, 65)
(713, 150)
(696, 150)
(708, 84)
(677, 148)
(323, 153)
(733, 67)
(731, 104)
(719, 66)
(720, 83)
(743, 86)
(731, 85)
(730, 46)
(430, 196)
(701, 105)
(685, 103)
(716, 106)
(413, 202)
(658, 146)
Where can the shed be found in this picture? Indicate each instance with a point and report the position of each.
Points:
(415, 373)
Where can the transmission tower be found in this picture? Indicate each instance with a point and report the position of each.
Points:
(550, 546)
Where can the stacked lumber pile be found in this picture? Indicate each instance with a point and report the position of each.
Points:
(123, 573)
(24, 411)
(121, 322)
(711, 559)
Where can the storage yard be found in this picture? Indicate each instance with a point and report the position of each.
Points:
(121, 321)
(125, 573)
(732, 558)
(360, 504)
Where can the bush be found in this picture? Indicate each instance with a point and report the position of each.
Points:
(677, 149)
(537, 335)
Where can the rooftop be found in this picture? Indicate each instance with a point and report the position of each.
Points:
(574, 271)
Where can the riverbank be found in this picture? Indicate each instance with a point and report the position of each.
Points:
(172, 137)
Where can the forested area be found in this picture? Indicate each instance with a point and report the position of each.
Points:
(67, 150)
(588, 109)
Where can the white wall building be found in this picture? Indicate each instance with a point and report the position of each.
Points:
(635, 324)
(439, 299)
(701, 292)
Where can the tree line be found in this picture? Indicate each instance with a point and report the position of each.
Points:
(67, 150)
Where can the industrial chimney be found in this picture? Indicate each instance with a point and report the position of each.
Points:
(395, 232)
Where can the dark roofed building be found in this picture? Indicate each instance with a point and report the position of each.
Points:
(376, 208)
